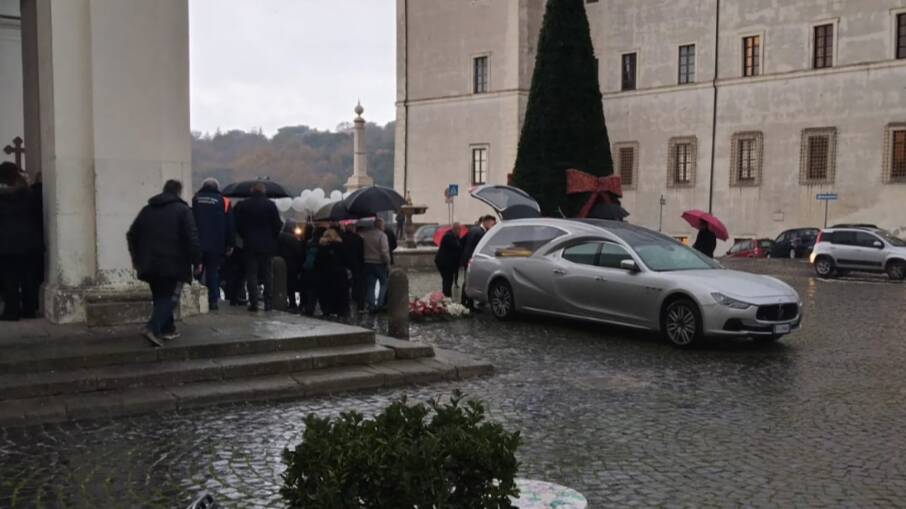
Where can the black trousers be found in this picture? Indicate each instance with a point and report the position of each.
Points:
(18, 287)
(358, 288)
(255, 265)
(448, 276)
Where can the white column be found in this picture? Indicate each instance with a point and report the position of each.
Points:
(359, 178)
(114, 99)
(11, 117)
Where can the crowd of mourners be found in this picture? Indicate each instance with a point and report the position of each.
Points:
(331, 267)
(21, 243)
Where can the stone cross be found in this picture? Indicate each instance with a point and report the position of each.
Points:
(15, 148)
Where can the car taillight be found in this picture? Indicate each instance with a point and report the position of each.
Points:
(818, 238)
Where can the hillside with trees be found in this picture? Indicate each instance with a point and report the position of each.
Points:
(298, 157)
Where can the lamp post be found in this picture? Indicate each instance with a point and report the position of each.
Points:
(660, 217)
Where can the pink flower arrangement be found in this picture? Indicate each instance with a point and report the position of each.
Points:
(435, 305)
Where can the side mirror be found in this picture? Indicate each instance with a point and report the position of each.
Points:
(878, 244)
(629, 265)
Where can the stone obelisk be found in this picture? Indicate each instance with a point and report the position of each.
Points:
(359, 178)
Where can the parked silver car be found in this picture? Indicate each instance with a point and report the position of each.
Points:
(617, 273)
(860, 249)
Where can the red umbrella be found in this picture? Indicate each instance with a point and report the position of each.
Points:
(439, 234)
(699, 219)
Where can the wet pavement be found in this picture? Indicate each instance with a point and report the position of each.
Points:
(816, 420)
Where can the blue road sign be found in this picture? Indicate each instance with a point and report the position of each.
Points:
(452, 190)
(826, 197)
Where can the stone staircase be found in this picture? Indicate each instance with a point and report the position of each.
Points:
(281, 357)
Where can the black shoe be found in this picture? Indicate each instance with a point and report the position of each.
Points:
(152, 338)
(253, 308)
(29, 316)
(213, 307)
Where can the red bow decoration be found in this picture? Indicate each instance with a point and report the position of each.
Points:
(600, 188)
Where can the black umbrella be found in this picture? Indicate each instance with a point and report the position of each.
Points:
(368, 201)
(519, 212)
(333, 211)
(244, 189)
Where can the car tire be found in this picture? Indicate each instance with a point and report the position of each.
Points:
(681, 323)
(501, 300)
(824, 267)
(896, 270)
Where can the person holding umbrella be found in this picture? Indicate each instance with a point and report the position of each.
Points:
(377, 265)
(709, 230)
(448, 256)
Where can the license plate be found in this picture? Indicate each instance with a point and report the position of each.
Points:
(782, 329)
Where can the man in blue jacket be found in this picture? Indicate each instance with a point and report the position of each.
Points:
(258, 223)
(213, 216)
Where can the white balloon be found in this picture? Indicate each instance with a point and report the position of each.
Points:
(336, 196)
(305, 194)
(284, 204)
(318, 193)
(311, 203)
(298, 204)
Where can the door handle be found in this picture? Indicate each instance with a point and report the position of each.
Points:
(560, 272)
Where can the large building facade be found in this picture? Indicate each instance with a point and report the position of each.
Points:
(750, 108)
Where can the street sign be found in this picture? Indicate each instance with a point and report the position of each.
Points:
(452, 190)
(826, 197)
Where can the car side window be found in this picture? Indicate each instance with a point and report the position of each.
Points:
(866, 239)
(519, 241)
(611, 255)
(845, 238)
(583, 254)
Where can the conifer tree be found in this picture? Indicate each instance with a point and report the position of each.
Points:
(564, 121)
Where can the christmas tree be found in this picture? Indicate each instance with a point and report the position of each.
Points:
(564, 122)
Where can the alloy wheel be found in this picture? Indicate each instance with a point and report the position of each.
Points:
(681, 325)
(897, 271)
(824, 267)
(502, 300)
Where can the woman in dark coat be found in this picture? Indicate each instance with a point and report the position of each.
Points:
(333, 291)
(310, 276)
(448, 258)
(706, 242)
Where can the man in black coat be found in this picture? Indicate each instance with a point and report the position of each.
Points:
(258, 223)
(354, 247)
(706, 242)
(469, 244)
(213, 217)
(448, 257)
(164, 245)
(18, 242)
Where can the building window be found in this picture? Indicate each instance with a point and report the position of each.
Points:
(687, 64)
(479, 165)
(629, 71)
(895, 153)
(480, 75)
(627, 163)
(824, 46)
(901, 35)
(746, 159)
(751, 56)
(818, 156)
(681, 161)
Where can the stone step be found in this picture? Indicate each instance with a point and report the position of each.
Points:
(294, 385)
(177, 372)
(134, 349)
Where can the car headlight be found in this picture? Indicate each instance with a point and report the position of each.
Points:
(730, 302)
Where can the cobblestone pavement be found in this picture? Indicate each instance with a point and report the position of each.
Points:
(816, 420)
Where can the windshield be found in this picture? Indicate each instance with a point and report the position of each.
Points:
(891, 239)
(661, 253)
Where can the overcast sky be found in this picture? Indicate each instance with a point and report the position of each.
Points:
(275, 63)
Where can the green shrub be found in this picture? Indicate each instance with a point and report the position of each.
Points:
(434, 456)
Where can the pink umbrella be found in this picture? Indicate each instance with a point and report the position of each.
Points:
(439, 234)
(699, 219)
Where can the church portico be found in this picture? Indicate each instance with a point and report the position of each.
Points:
(109, 84)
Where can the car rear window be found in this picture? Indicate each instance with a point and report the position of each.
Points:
(521, 240)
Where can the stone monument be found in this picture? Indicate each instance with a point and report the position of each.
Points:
(359, 178)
